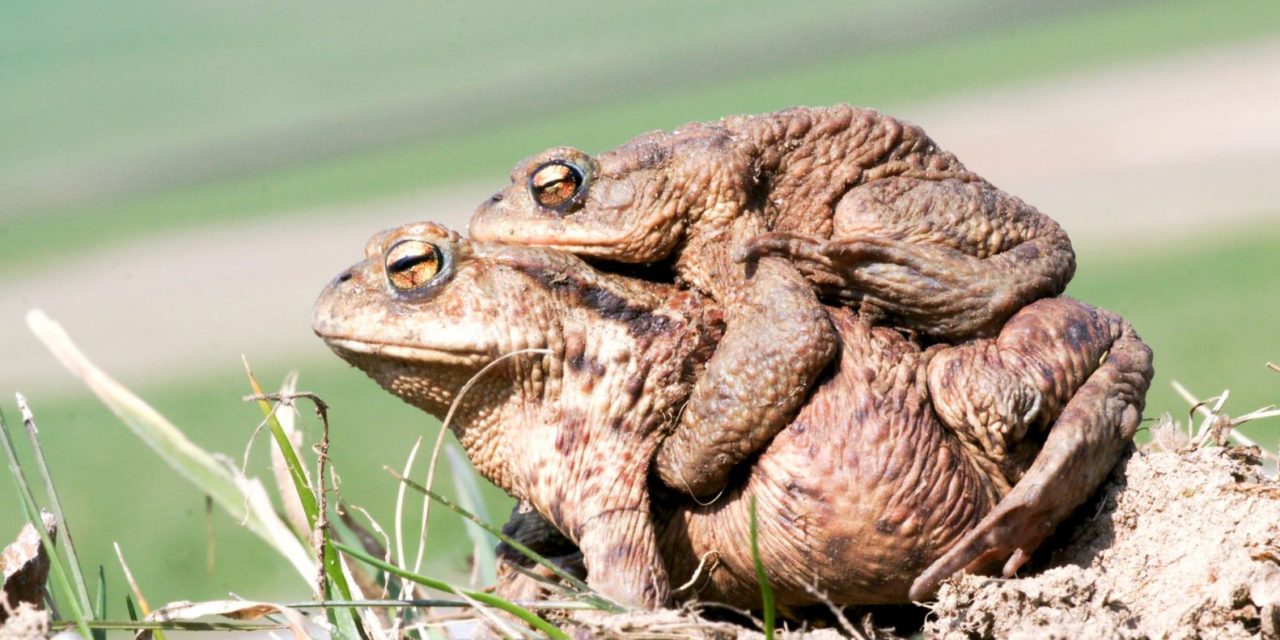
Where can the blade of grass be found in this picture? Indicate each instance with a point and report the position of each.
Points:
(239, 496)
(511, 608)
(172, 625)
(464, 482)
(51, 492)
(585, 591)
(285, 487)
(766, 591)
(330, 567)
(430, 602)
(32, 513)
(100, 608)
(296, 471)
(137, 592)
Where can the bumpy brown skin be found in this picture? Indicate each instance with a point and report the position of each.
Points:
(866, 207)
(571, 431)
(904, 465)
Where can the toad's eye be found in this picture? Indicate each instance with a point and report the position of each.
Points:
(413, 264)
(555, 184)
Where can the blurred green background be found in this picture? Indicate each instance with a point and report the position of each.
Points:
(169, 172)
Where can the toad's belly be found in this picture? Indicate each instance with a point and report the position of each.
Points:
(854, 500)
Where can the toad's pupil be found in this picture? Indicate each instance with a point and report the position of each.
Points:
(555, 183)
(412, 264)
(408, 263)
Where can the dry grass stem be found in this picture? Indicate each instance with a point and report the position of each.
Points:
(444, 429)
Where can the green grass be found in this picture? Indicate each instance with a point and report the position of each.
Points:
(599, 116)
(115, 489)
(1210, 312)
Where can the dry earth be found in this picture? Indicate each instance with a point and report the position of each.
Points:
(1180, 546)
(1177, 545)
(1125, 157)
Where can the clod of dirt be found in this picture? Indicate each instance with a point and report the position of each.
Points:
(24, 567)
(25, 623)
(1177, 545)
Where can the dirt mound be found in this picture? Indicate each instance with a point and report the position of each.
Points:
(1178, 545)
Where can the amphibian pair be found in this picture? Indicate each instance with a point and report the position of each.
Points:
(759, 211)
(904, 464)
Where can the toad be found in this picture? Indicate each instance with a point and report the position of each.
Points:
(755, 211)
(904, 465)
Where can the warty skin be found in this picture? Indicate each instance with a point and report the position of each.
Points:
(759, 212)
(903, 466)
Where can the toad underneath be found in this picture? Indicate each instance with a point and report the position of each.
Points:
(903, 466)
(757, 211)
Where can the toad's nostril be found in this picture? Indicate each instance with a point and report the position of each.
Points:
(345, 276)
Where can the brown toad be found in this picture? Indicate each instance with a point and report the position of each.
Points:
(866, 207)
(903, 466)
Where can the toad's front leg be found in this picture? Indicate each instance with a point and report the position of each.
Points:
(776, 342)
(992, 392)
(620, 551)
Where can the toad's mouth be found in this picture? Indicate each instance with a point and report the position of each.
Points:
(406, 353)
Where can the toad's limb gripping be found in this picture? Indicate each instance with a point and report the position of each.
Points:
(947, 259)
(776, 342)
(1053, 345)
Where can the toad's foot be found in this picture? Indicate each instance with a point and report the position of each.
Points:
(946, 259)
(776, 342)
(620, 551)
(1061, 349)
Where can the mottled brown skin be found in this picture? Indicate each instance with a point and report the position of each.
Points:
(863, 206)
(903, 466)
(572, 431)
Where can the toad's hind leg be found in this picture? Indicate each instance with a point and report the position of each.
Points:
(1053, 351)
(777, 340)
(948, 259)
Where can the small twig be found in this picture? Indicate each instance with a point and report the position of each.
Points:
(501, 625)
(546, 582)
(406, 587)
(838, 612)
(697, 572)
(248, 447)
(1215, 421)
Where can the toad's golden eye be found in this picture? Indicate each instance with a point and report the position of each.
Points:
(413, 264)
(555, 184)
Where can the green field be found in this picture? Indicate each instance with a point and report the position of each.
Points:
(115, 489)
(523, 106)
(136, 118)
